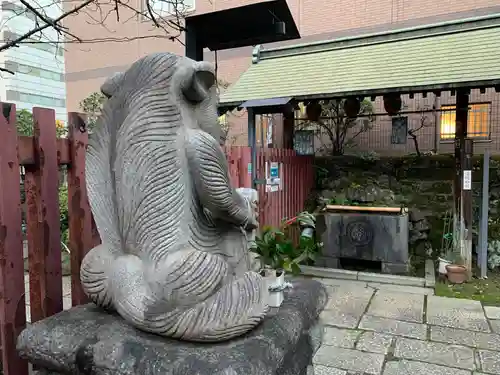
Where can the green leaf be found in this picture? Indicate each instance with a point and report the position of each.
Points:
(295, 268)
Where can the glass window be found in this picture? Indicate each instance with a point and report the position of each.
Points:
(478, 121)
(34, 71)
(169, 7)
(35, 99)
(47, 47)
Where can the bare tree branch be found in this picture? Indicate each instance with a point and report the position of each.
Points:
(59, 28)
(98, 11)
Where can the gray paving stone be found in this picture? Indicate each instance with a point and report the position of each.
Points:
(456, 313)
(434, 352)
(405, 367)
(492, 312)
(400, 306)
(346, 306)
(329, 273)
(391, 279)
(343, 338)
(393, 327)
(495, 325)
(478, 373)
(341, 283)
(479, 340)
(490, 361)
(402, 288)
(324, 370)
(374, 342)
(349, 359)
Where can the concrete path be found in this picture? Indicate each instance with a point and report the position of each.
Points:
(402, 330)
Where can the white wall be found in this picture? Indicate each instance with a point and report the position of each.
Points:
(28, 54)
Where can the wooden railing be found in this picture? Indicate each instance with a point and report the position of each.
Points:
(41, 156)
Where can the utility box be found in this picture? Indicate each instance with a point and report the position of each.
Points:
(366, 233)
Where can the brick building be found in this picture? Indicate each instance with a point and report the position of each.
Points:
(88, 64)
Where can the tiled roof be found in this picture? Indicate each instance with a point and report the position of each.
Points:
(464, 53)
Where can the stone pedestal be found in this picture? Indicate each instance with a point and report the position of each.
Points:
(87, 340)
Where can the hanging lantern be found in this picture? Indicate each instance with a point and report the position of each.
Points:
(352, 107)
(313, 111)
(392, 104)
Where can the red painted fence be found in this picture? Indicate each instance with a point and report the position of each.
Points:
(296, 174)
(41, 156)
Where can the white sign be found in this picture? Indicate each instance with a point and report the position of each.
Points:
(273, 181)
(272, 188)
(467, 180)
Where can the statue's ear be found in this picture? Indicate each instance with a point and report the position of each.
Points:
(202, 79)
(112, 84)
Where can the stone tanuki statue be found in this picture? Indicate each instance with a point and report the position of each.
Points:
(174, 258)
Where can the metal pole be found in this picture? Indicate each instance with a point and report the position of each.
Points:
(252, 142)
(483, 250)
(467, 204)
(193, 47)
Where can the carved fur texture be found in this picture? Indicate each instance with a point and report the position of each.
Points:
(174, 258)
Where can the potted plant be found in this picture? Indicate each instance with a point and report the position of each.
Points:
(273, 248)
(279, 255)
(444, 260)
(456, 271)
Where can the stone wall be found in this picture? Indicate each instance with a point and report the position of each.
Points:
(424, 185)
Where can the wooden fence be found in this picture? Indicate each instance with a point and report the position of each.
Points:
(42, 155)
(295, 172)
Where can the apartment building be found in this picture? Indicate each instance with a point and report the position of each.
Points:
(88, 65)
(38, 67)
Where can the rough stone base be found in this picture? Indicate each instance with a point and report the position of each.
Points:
(88, 341)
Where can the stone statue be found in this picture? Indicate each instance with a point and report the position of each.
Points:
(174, 256)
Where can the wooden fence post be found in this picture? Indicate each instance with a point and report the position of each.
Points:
(12, 294)
(44, 236)
(80, 217)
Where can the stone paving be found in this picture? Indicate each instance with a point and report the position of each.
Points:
(386, 329)
(402, 330)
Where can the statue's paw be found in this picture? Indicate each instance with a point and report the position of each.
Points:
(235, 309)
(94, 275)
(252, 224)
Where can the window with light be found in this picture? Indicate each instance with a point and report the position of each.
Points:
(478, 121)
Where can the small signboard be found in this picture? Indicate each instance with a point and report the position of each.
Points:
(467, 180)
(273, 180)
(303, 142)
(274, 170)
(399, 134)
(249, 168)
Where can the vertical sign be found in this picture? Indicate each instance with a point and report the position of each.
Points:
(467, 180)
(274, 170)
(273, 177)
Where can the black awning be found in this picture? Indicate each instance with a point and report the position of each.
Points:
(259, 23)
